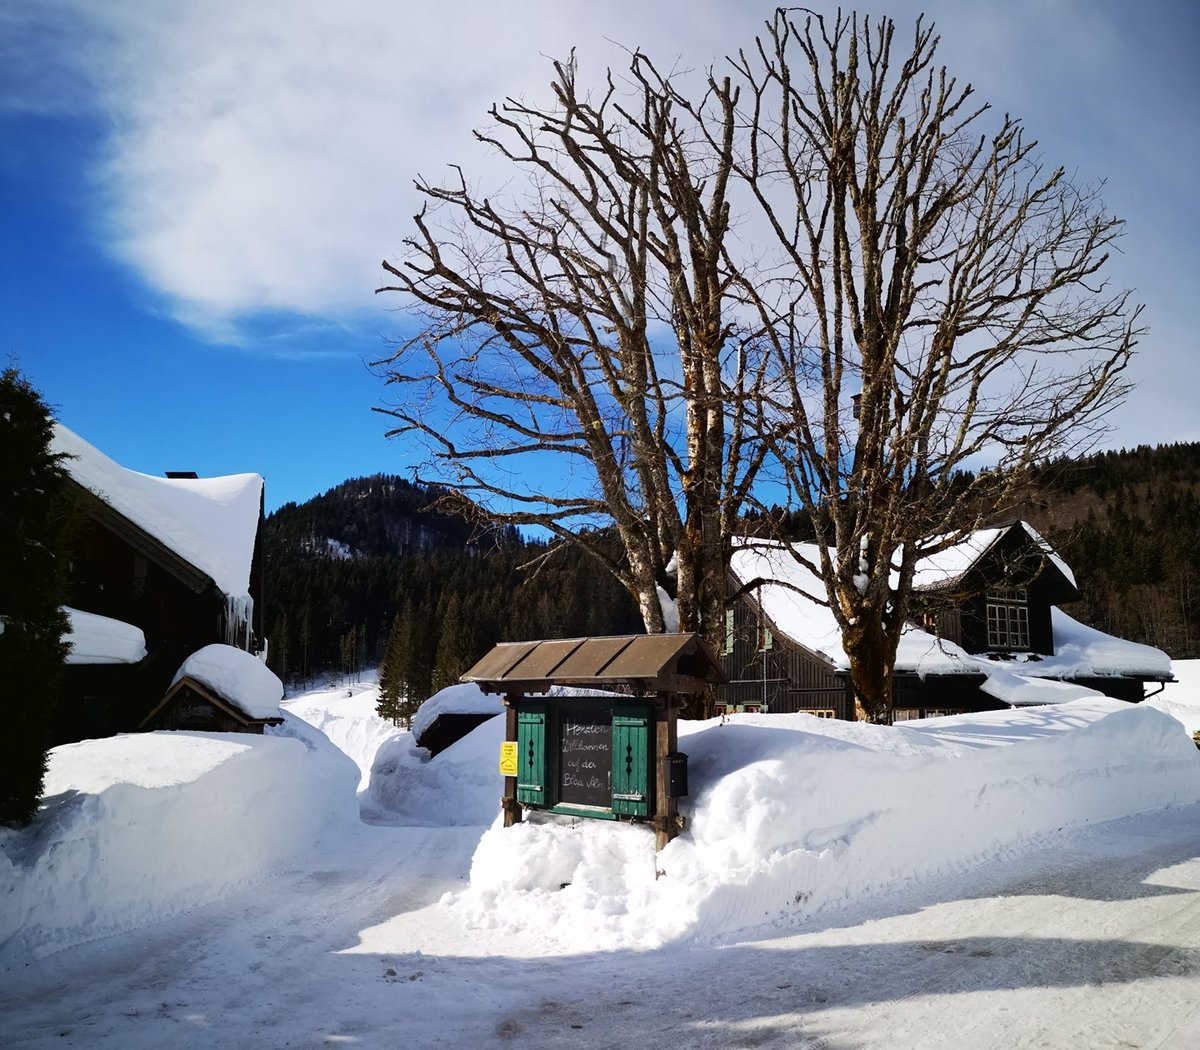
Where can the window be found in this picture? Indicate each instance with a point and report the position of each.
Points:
(728, 631)
(910, 714)
(765, 639)
(819, 712)
(1008, 618)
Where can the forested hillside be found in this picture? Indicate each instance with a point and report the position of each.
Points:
(1128, 523)
(367, 560)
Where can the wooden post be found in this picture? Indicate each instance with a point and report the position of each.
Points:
(509, 804)
(666, 735)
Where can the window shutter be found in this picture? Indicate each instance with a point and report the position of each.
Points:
(532, 775)
(631, 760)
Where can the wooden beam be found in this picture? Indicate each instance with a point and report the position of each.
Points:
(509, 804)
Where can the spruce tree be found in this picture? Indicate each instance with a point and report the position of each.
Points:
(32, 621)
(415, 661)
(454, 646)
(391, 677)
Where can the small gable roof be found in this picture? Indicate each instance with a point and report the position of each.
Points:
(238, 677)
(209, 523)
(663, 662)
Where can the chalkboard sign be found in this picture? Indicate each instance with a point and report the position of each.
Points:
(585, 770)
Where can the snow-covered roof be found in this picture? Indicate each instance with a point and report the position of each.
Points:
(102, 640)
(467, 698)
(1023, 691)
(793, 600)
(209, 522)
(237, 677)
(463, 699)
(949, 566)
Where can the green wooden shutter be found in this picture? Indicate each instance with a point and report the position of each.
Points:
(631, 760)
(531, 755)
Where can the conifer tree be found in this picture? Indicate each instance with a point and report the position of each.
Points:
(415, 661)
(32, 621)
(391, 677)
(454, 648)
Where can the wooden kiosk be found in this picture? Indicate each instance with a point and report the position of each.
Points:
(609, 754)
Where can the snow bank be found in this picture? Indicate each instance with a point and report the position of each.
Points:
(134, 828)
(461, 786)
(236, 676)
(790, 815)
(347, 716)
(102, 640)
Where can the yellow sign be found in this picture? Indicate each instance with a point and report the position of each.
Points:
(508, 758)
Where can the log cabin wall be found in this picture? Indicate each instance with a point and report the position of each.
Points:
(767, 671)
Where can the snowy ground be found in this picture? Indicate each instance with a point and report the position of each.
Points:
(984, 896)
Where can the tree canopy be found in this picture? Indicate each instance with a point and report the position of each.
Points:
(32, 566)
(825, 262)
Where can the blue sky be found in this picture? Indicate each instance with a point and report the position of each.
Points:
(196, 196)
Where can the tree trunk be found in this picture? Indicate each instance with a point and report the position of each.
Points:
(872, 656)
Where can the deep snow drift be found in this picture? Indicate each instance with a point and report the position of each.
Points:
(1181, 700)
(788, 816)
(133, 828)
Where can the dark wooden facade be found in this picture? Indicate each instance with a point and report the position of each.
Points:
(117, 569)
(961, 608)
(768, 671)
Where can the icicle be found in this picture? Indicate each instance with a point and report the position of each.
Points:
(239, 614)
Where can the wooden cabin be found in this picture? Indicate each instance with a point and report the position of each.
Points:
(987, 634)
(449, 727)
(177, 558)
(219, 689)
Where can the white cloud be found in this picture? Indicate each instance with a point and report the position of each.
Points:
(260, 155)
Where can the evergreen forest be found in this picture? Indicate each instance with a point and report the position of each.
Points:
(370, 570)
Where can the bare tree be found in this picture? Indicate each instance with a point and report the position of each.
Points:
(576, 365)
(908, 296)
(937, 305)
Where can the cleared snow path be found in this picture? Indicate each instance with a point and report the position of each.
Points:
(1096, 944)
